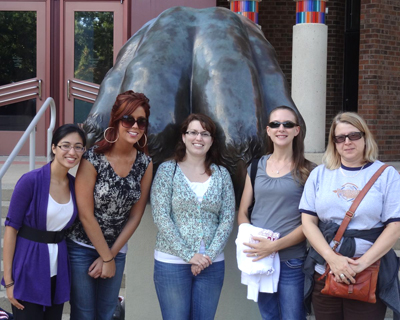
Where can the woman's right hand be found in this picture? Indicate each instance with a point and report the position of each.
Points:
(195, 270)
(201, 260)
(13, 301)
(341, 267)
(108, 270)
(96, 268)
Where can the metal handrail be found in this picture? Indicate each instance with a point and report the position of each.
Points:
(31, 132)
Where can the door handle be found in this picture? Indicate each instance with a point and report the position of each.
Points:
(68, 90)
(40, 88)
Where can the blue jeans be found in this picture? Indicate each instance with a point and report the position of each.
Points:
(92, 298)
(182, 296)
(287, 303)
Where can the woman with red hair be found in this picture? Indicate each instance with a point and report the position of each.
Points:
(112, 187)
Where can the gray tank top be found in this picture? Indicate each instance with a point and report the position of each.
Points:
(277, 207)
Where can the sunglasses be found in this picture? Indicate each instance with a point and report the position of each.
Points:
(129, 122)
(353, 136)
(286, 124)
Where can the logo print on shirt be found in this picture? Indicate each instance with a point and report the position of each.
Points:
(347, 192)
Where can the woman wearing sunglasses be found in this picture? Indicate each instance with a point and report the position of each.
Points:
(42, 207)
(193, 208)
(277, 190)
(349, 162)
(112, 187)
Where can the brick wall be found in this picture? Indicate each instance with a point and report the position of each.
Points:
(335, 20)
(277, 19)
(379, 75)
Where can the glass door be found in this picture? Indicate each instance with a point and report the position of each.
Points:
(22, 72)
(93, 38)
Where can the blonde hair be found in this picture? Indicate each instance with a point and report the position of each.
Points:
(331, 157)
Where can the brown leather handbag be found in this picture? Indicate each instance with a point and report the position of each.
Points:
(365, 286)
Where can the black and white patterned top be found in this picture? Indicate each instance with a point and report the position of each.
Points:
(113, 195)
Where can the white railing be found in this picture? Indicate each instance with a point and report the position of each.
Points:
(31, 132)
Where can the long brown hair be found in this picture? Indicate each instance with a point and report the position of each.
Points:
(125, 104)
(212, 155)
(302, 167)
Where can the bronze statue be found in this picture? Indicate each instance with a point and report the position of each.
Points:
(189, 60)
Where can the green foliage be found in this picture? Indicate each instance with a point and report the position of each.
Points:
(93, 45)
(18, 46)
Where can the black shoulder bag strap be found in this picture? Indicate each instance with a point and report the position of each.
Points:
(253, 173)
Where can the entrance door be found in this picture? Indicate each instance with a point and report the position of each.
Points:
(94, 34)
(22, 72)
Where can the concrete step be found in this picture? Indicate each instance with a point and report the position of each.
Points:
(7, 193)
(4, 208)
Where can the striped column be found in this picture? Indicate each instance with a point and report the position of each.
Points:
(310, 11)
(248, 9)
(309, 64)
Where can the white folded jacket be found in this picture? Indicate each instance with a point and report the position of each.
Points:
(261, 275)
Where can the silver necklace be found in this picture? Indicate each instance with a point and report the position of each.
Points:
(277, 171)
(341, 170)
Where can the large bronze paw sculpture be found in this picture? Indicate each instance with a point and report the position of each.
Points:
(211, 61)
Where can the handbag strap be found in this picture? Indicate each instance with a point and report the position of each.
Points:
(350, 213)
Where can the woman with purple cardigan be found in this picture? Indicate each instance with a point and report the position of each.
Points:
(43, 206)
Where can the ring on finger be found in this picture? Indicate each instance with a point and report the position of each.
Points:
(342, 276)
(256, 254)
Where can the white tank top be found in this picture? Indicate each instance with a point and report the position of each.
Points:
(58, 215)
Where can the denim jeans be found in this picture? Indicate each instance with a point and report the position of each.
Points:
(287, 303)
(182, 296)
(92, 298)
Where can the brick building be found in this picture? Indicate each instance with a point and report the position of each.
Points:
(363, 70)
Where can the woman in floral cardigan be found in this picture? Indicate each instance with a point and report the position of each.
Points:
(193, 208)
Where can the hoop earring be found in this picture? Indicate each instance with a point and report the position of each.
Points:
(105, 138)
(145, 142)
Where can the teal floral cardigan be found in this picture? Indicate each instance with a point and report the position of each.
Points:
(183, 221)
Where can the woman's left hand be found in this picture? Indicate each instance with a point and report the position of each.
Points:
(261, 249)
(108, 270)
(359, 267)
(201, 260)
(96, 268)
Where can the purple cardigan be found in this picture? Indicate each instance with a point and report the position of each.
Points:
(31, 264)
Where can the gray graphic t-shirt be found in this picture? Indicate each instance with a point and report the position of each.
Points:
(328, 194)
